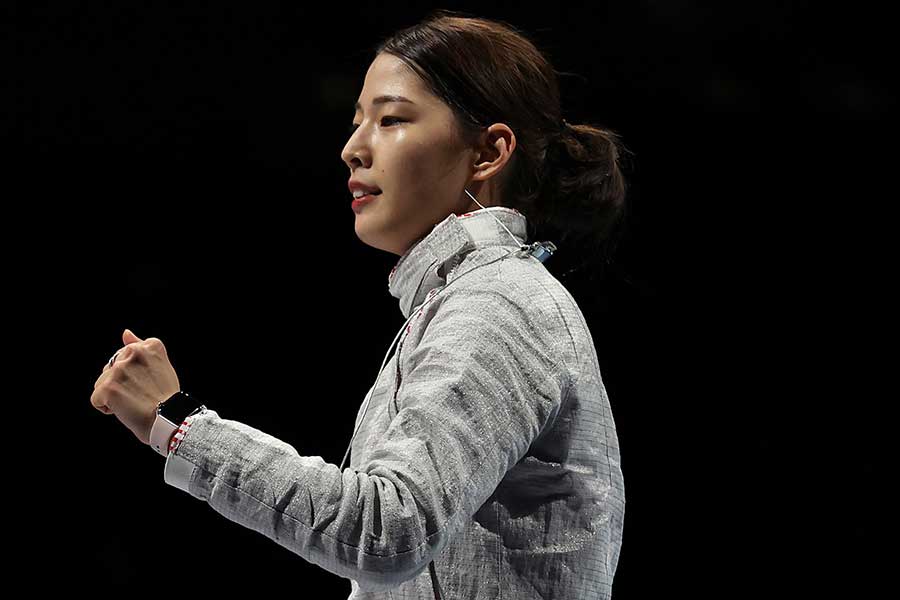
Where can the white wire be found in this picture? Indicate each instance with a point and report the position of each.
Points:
(498, 220)
(411, 315)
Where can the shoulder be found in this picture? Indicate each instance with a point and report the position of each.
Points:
(517, 294)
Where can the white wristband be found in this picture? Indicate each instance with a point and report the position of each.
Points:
(161, 433)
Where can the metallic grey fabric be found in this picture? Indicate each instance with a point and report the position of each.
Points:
(488, 445)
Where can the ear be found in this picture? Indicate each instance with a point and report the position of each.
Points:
(497, 149)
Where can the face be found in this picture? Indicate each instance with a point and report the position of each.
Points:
(412, 152)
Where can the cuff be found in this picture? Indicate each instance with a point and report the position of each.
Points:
(178, 472)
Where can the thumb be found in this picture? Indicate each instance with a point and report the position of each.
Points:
(129, 338)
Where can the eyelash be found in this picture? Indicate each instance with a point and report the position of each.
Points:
(353, 126)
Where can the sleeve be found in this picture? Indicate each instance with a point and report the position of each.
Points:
(482, 383)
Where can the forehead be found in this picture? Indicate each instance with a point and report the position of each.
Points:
(389, 80)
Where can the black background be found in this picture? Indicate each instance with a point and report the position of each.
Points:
(176, 170)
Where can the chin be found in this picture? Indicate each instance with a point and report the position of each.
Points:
(374, 241)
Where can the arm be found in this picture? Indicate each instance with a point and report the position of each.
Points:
(482, 383)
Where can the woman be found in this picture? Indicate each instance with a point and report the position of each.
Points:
(485, 460)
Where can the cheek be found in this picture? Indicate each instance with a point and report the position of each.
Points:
(413, 161)
(421, 169)
(428, 165)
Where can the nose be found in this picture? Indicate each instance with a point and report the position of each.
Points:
(356, 152)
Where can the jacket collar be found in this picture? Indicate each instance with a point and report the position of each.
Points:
(424, 265)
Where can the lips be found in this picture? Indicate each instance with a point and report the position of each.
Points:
(358, 203)
(359, 186)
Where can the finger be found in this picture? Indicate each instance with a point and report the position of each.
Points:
(112, 359)
(98, 402)
(120, 355)
(106, 374)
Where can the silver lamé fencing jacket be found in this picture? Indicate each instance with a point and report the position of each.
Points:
(488, 446)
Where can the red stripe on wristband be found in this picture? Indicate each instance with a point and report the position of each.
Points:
(179, 434)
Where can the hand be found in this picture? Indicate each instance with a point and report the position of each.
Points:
(139, 379)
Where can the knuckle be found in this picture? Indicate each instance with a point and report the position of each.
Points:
(111, 392)
(132, 353)
(99, 382)
(98, 399)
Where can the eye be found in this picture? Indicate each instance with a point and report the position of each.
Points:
(353, 126)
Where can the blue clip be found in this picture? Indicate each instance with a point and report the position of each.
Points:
(541, 250)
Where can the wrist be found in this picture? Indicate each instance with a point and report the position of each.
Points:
(170, 415)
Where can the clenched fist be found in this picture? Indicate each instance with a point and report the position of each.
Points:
(140, 378)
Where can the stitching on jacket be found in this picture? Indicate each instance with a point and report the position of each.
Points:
(499, 551)
(562, 316)
(396, 380)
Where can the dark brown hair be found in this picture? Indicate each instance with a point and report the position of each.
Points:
(565, 178)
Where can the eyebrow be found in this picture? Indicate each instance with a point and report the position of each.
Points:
(385, 100)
